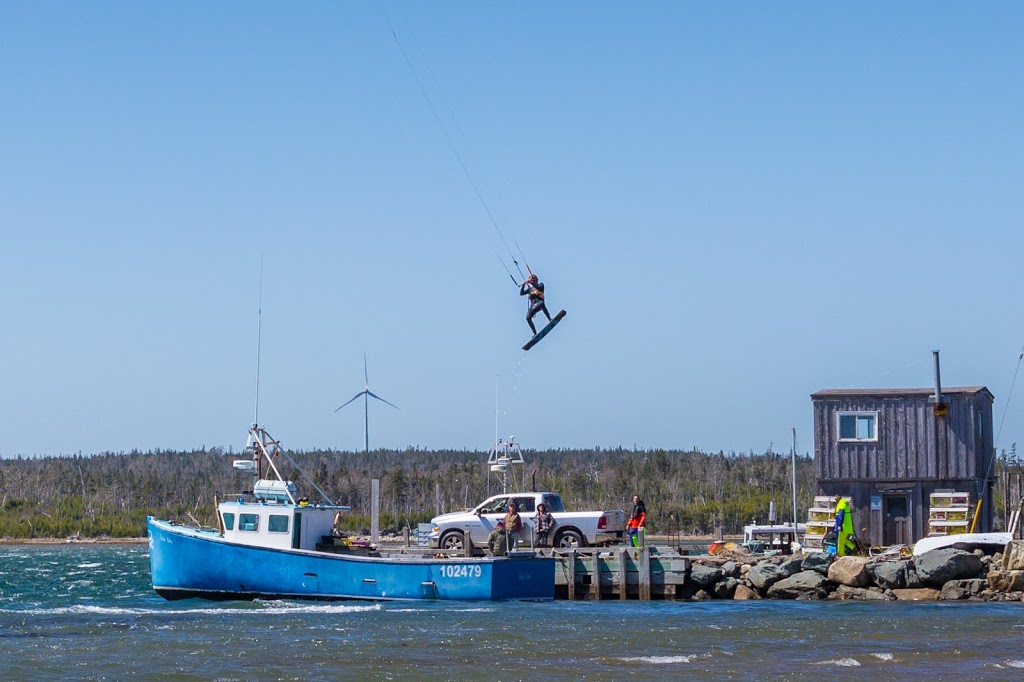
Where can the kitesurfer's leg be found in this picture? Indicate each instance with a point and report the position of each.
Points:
(529, 318)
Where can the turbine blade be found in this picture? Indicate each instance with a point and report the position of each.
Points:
(353, 398)
(374, 395)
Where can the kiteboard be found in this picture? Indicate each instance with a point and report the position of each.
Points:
(544, 332)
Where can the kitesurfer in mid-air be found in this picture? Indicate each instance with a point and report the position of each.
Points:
(535, 290)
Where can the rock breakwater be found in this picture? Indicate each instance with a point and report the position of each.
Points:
(947, 574)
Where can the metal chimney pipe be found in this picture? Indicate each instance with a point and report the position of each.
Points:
(938, 381)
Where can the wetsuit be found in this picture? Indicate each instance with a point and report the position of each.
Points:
(536, 301)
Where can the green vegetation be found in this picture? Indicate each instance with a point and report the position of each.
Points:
(690, 492)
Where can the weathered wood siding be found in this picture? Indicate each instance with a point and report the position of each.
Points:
(913, 444)
(916, 454)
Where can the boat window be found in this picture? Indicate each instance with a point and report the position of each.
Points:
(278, 523)
(249, 522)
(229, 520)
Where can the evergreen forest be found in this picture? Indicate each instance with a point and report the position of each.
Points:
(687, 492)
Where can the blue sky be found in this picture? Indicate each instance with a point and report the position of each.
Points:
(738, 204)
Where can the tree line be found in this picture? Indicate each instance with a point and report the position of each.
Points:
(110, 494)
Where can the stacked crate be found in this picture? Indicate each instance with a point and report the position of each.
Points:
(821, 517)
(948, 513)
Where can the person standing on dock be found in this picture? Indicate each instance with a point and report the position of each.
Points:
(543, 522)
(637, 520)
(513, 525)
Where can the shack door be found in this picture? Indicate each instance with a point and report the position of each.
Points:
(896, 509)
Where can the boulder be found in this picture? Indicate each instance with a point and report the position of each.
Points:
(850, 570)
(916, 594)
(790, 567)
(1013, 556)
(726, 588)
(962, 589)
(1006, 581)
(701, 595)
(939, 566)
(744, 592)
(705, 576)
(731, 569)
(744, 569)
(763, 575)
(891, 575)
(818, 561)
(802, 585)
(860, 593)
(913, 579)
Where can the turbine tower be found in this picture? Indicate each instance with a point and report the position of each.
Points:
(367, 394)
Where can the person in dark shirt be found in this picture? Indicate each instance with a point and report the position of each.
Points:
(535, 290)
(543, 522)
(497, 541)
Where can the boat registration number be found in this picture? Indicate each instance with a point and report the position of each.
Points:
(461, 571)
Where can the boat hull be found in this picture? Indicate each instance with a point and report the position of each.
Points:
(187, 563)
(992, 542)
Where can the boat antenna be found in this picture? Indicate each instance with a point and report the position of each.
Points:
(794, 483)
(259, 337)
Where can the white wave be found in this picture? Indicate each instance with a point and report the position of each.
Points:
(93, 565)
(80, 609)
(658, 660)
(841, 662)
(883, 657)
(288, 607)
(1014, 664)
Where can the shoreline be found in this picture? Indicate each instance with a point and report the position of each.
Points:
(73, 541)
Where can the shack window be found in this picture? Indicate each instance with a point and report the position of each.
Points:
(229, 521)
(249, 522)
(858, 426)
(278, 523)
(981, 424)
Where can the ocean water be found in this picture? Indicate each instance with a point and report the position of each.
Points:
(87, 612)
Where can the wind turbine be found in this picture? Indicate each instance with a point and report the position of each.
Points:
(367, 394)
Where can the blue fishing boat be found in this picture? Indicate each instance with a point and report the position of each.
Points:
(272, 544)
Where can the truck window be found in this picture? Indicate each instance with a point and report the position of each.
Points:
(498, 506)
(525, 505)
(553, 503)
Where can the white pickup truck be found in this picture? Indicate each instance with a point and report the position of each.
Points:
(572, 529)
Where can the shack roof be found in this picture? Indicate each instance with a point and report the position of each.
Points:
(827, 393)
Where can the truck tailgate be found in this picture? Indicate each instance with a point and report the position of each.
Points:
(616, 520)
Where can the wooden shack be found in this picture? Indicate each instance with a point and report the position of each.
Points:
(890, 449)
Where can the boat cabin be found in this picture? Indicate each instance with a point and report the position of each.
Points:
(778, 538)
(268, 518)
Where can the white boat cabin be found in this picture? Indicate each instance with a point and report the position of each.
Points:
(270, 519)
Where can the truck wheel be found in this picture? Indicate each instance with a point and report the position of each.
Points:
(453, 541)
(568, 539)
